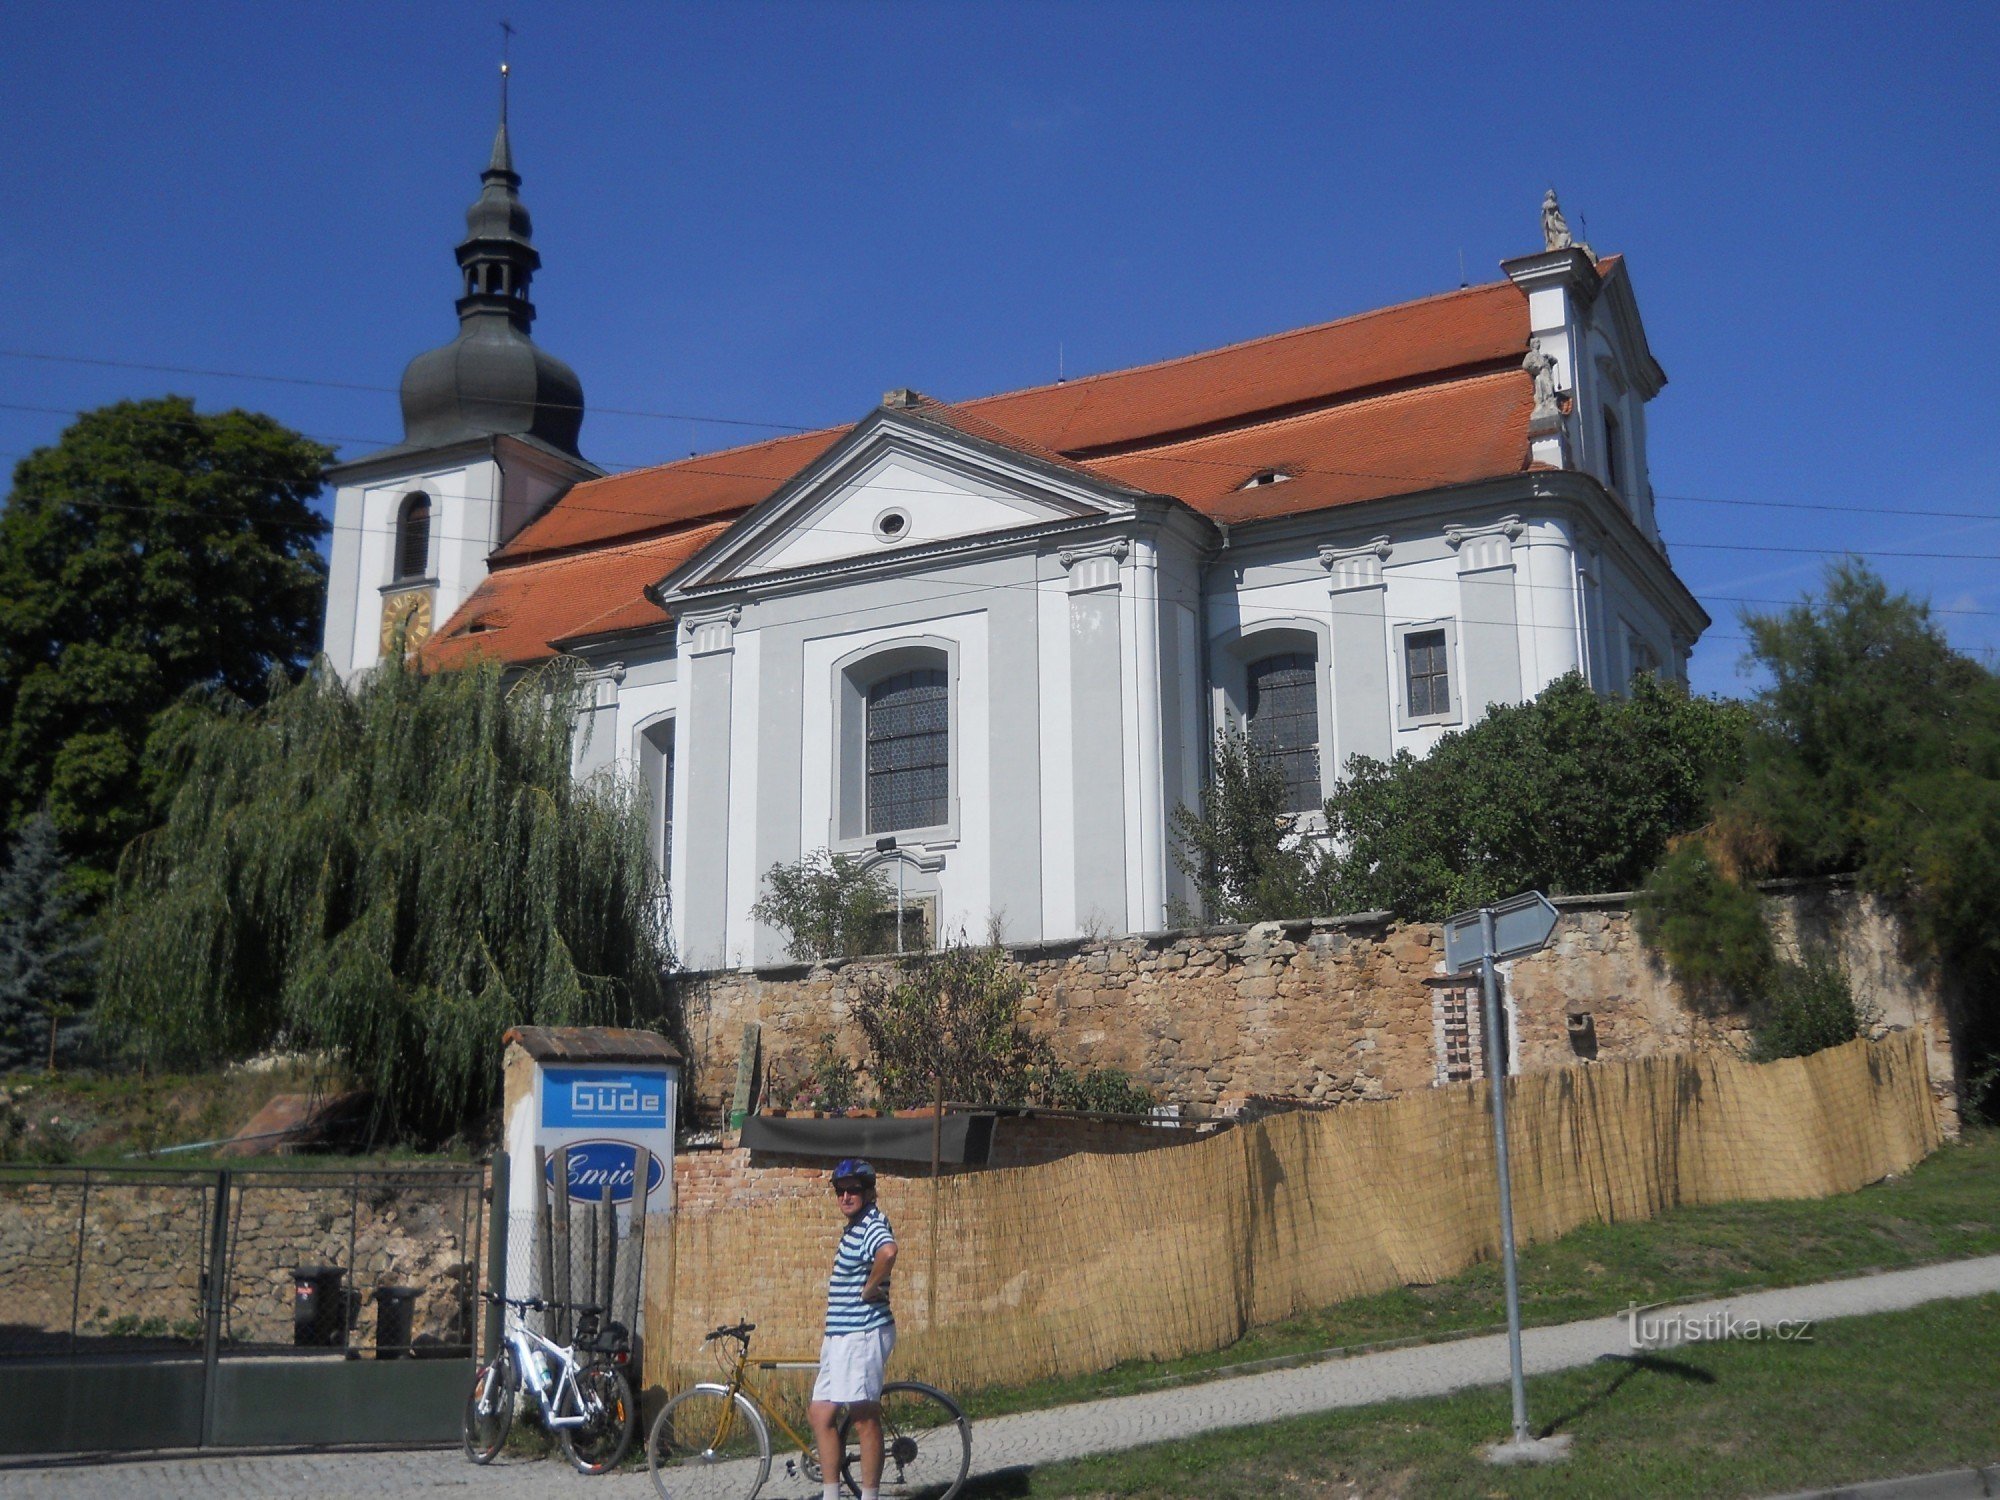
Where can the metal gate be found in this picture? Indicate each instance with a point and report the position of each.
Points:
(173, 1308)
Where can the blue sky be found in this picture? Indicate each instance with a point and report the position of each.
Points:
(771, 213)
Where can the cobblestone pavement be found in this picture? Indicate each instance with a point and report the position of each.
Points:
(1029, 1438)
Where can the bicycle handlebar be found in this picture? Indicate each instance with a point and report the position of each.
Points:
(740, 1331)
(539, 1304)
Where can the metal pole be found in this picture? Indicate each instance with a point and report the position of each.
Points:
(937, 1152)
(1496, 1083)
(496, 1253)
(212, 1305)
(76, 1280)
(899, 901)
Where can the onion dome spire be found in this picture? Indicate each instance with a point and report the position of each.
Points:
(493, 378)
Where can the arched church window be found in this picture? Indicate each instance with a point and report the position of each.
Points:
(909, 751)
(1283, 704)
(413, 537)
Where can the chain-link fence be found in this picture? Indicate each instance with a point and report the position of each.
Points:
(575, 1253)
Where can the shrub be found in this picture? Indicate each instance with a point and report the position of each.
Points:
(1709, 927)
(827, 905)
(1249, 858)
(1807, 1007)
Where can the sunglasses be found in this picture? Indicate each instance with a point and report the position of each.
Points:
(842, 1189)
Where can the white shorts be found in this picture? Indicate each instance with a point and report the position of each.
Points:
(850, 1365)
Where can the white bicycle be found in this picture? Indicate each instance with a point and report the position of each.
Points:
(584, 1398)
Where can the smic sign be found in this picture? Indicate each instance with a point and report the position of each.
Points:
(581, 1098)
(596, 1165)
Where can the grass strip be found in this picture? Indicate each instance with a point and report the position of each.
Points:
(1866, 1398)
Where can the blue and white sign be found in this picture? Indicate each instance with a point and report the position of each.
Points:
(595, 1165)
(601, 1112)
(606, 1098)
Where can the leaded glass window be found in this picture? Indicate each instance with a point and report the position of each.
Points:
(1284, 723)
(909, 751)
(1429, 674)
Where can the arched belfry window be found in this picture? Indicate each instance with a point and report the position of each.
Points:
(413, 537)
(1282, 703)
(909, 751)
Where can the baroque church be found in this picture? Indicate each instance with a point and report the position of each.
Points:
(987, 644)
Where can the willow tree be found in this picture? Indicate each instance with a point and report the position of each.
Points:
(391, 873)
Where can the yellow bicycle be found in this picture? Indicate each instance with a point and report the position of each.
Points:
(926, 1439)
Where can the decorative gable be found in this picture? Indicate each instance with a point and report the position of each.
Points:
(901, 481)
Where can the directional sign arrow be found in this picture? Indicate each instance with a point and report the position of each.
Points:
(1521, 924)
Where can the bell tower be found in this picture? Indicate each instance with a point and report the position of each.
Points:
(490, 428)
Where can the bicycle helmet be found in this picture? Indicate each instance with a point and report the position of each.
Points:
(854, 1169)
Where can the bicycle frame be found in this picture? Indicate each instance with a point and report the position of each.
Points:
(527, 1345)
(771, 1411)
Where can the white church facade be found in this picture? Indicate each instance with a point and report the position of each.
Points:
(992, 641)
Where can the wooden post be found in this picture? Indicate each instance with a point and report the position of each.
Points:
(642, 1171)
(608, 1262)
(562, 1224)
(545, 1235)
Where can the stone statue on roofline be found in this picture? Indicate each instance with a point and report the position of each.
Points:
(1542, 366)
(1555, 228)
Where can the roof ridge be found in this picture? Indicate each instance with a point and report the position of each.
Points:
(674, 463)
(1407, 390)
(664, 531)
(1262, 338)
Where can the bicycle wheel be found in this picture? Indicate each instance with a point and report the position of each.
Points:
(926, 1444)
(489, 1407)
(611, 1417)
(704, 1426)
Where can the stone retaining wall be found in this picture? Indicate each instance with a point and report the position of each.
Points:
(1336, 1009)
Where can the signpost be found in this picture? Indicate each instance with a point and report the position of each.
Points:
(1479, 939)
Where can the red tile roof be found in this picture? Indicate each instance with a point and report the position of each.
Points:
(1384, 403)
(519, 613)
(1397, 443)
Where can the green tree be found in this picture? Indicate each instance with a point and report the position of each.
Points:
(1250, 859)
(394, 873)
(1572, 791)
(47, 952)
(152, 549)
(1876, 752)
(827, 905)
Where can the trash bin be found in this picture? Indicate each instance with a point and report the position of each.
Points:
(395, 1314)
(319, 1307)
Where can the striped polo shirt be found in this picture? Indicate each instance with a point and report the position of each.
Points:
(853, 1258)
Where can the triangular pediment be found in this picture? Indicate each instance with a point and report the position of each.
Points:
(900, 484)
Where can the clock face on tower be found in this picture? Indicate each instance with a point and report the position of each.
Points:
(411, 613)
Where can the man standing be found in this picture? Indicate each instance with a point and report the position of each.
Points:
(860, 1331)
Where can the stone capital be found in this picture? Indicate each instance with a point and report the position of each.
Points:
(1483, 547)
(708, 634)
(1096, 566)
(1359, 567)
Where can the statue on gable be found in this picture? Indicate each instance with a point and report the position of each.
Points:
(1542, 366)
(1555, 228)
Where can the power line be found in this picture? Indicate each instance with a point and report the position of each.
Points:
(348, 385)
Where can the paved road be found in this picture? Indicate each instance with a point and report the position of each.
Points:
(1031, 1438)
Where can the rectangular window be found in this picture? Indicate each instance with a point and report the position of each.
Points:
(1428, 672)
(656, 772)
(1613, 467)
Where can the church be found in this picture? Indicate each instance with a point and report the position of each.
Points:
(987, 644)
